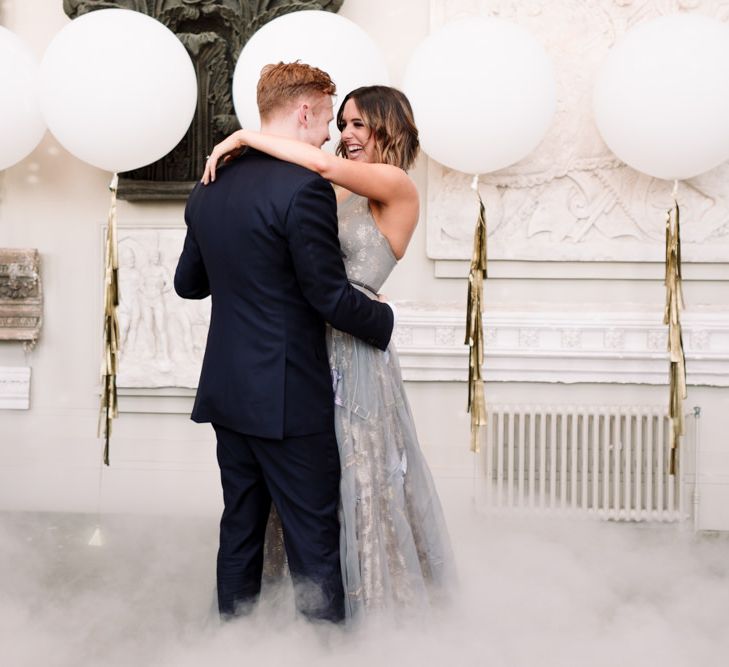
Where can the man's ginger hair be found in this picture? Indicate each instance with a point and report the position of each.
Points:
(281, 85)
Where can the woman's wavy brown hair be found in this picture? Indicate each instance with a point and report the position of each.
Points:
(388, 115)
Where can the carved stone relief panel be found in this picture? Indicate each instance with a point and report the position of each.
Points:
(572, 199)
(162, 336)
(21, 295)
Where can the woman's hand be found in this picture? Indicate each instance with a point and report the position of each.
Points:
(228, 149)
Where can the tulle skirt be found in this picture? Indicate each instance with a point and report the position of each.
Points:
(395, 550)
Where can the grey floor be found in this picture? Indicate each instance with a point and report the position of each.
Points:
(532, 593)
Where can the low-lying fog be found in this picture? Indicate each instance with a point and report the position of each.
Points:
(541, 592)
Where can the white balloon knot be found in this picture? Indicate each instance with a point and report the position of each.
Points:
(474, 183)
(114, 182)
(674, 194)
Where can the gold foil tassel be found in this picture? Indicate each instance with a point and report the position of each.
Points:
(110, 354)
(474, 325)
(672, 317)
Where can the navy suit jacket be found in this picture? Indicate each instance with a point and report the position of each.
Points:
(262, 241)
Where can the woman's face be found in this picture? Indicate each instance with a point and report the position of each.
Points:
(358, 139)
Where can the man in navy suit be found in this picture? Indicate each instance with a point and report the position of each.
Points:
(262, 241)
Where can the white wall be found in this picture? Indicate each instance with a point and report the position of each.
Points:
(162, 462)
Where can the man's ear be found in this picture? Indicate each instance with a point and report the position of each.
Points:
(303, 114)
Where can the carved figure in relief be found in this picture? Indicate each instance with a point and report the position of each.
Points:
(198, 314)
(156, 281)
(130, 310)
(180, 320)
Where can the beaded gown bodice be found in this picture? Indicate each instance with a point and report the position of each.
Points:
(368, 258)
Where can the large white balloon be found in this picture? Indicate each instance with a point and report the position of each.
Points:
(118, 89)
(21, 122)
(322, 39)
(483, 94)
(661, 99)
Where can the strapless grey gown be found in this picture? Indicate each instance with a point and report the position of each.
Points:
(395, 550)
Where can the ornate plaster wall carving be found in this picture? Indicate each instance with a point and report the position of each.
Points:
(162, 336)
(561, 344)
(21, 295)
(572, 199)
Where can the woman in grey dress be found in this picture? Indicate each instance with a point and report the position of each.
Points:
(395, 550)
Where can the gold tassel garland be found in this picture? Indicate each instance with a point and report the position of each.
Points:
(474, 326)
(110, 355)
(672, 317)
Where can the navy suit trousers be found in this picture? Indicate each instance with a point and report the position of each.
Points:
(301, 476)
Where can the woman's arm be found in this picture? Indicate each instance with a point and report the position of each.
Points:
(382, 183)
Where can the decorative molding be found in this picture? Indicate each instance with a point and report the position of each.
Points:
(14, 387)
(572, 200)
(528, 337)
(614, 339)
(571, 338)
(549, 343)
(553, 270)
(558, 344)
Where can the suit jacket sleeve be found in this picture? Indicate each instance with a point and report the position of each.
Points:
(191, 278)
(311, 224)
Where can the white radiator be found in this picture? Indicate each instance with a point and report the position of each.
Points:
(609, 462)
